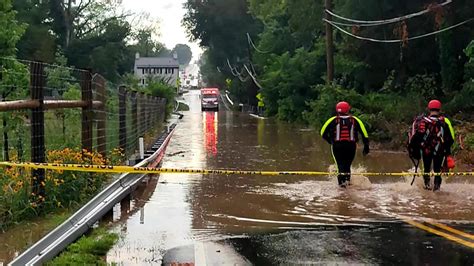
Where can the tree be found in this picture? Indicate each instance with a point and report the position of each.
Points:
(37, 43)
(105, 52)
(145, 44)
(184, 53)
(13, 75)
(222, 27)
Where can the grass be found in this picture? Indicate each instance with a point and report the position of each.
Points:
(88, 250)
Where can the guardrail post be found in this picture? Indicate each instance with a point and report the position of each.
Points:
(87, 111)
(123, 118)
(37, 82)
(101, 116)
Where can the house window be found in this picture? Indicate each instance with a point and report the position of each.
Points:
(143, 71)
(143, 81)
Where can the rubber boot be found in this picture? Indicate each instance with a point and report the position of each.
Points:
(341, 179)
(426, 178)
(437, 183)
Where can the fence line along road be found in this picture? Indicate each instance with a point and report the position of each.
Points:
(80, 222)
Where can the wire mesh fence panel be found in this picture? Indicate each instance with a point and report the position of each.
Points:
(58, 114)
(53, 107)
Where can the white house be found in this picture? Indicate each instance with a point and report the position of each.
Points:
(165, 68)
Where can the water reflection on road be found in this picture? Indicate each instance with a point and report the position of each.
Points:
(285, 219)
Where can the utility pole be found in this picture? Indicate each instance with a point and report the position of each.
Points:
(329, 43)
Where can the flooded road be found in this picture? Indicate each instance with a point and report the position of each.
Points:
(263, 220)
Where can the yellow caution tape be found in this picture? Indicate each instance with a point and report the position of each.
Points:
(150, 170)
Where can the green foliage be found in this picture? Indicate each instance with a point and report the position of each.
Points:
(162, 89)
(323, 107)
(38, 43)
(469, 141)
(222, 27)
(287, 82)
(88, 250)
(463, 101)
(146, 46)
(64, 189)
(469, 66)
(10, 29)
(383, 113)
(184, 53)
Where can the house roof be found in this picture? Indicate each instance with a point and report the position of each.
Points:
(156, 62)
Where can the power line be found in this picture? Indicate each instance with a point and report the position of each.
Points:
(253, 78)
(237, 74)
(385, 21)
(249, 39)
(398, 40)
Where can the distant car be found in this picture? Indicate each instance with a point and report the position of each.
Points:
(209, 99)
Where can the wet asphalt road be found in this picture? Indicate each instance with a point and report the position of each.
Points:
(240, 220)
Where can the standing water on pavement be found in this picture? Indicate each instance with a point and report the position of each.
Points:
(186, 209)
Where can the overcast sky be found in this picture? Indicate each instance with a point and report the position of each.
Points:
(170, 13)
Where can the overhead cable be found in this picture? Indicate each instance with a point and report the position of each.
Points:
(253, 78)
(236, 73)
(249, 39)
(398, 40)
(386, 21)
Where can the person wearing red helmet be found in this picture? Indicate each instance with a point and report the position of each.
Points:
(342, 133)
(430, 139)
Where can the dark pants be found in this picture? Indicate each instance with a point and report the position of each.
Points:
(437, 162)
(344, 153)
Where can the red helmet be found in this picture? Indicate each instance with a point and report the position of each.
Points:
(434, 104)
(343, 107)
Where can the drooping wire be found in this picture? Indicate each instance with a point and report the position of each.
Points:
(236, 73)
(398, 40)
(367, 23)
(255, 81)
(250, 41)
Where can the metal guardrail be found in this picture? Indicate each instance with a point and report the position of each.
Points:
(80, 222)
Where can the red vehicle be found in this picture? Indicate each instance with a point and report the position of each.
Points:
(209, 99)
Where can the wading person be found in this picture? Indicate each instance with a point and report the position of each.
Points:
(342, 132)
(430, 139)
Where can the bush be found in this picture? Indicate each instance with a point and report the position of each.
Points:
(463, 102)
(324, 107)
(386, 115)
(161, 89)
(64, 189)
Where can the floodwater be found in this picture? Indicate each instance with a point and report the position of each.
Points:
(266, 220)
(274, 220)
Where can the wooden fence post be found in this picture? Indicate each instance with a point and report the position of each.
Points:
(134, 114)
(163, 109)
(101, 116)
(37, 82)
(123, 118)
(87, 111)
(141, 114)
(154, 104)
(148, 113)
